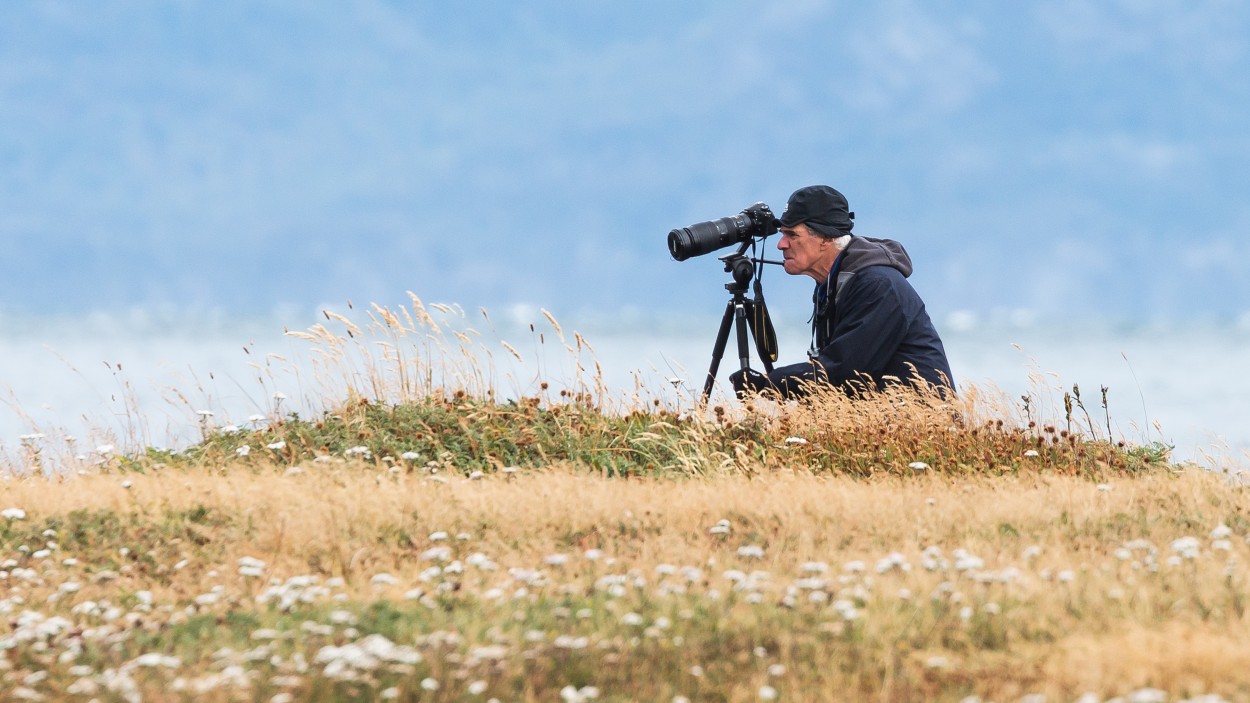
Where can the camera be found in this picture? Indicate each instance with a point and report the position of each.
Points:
(703, 237)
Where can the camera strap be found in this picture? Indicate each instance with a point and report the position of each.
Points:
(825, 296)
(761, 323)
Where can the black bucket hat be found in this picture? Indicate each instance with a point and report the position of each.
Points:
(823, 209)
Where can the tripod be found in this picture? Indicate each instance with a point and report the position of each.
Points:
(748, 316)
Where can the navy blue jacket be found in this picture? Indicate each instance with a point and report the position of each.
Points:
(871, 329)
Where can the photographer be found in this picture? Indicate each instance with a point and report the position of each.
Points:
(869, 326)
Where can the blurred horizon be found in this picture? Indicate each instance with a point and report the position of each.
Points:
(141, 378)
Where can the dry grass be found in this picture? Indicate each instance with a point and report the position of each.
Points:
(1074, 617)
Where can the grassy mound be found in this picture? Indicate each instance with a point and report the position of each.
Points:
(894, 432)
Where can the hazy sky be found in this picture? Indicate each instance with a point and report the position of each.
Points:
(1063, 159)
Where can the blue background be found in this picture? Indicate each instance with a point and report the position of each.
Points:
(1050, 160)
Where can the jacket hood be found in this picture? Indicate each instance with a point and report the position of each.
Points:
(863, 252)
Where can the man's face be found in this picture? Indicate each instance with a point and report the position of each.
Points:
(806, 252)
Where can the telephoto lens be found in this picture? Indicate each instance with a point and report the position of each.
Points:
(705, 237)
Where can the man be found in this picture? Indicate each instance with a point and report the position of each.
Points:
(869, 327)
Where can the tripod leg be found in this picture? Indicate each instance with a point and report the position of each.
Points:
(744, 348)
(722, 337)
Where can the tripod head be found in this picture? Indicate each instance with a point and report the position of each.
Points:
(741, 269)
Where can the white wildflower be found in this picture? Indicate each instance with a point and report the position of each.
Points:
(965, 561)
(342, 617)
(481, 561)
(1186, 547)
(209, 598)
(846, 609)
(436, 554)
(151, 660)
(751, 551)
(251, 566)
(1147, 695)
(893, 561)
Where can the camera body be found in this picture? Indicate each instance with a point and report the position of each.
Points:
(704, 237)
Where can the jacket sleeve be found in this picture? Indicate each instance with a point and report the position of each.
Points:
(872, 322)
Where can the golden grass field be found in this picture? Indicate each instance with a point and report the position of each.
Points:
(1017, 563)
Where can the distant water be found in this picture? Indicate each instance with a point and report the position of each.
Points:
(143, 379)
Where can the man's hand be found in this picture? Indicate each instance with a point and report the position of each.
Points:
(749, 382)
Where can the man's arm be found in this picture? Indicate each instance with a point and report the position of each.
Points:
(873, 321)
